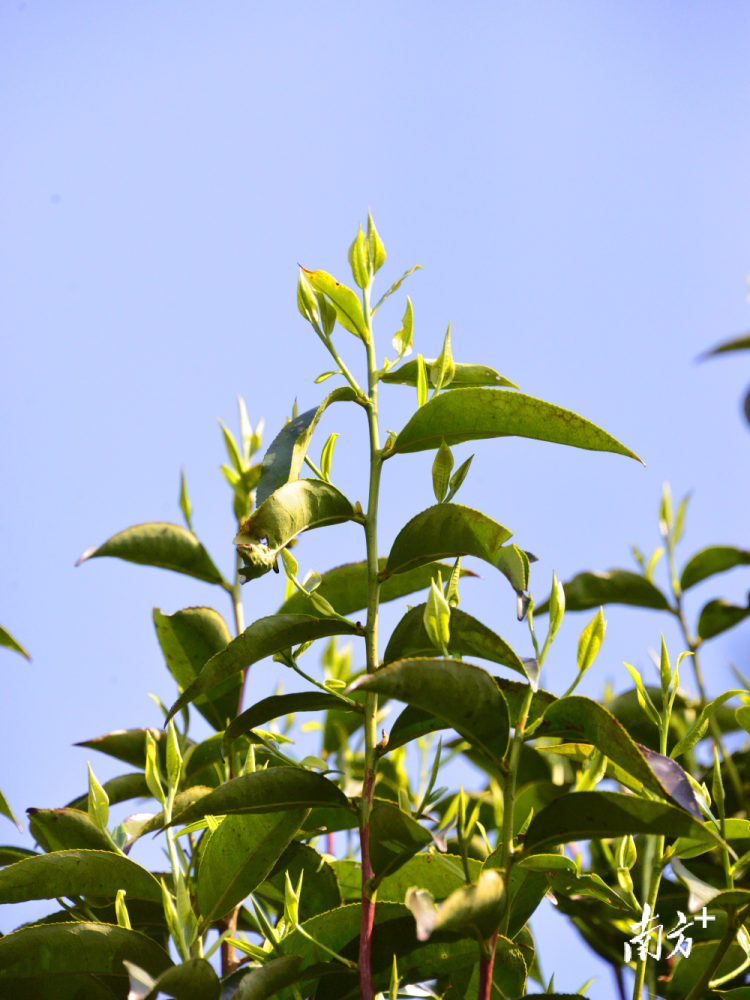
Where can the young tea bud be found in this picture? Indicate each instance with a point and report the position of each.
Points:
(441, 471)
(358, 260)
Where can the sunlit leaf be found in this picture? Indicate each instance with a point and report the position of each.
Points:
(465, 375)
(168, 546)
(273, 708)
(344, 300)
(616, 586)
(66, 829)
(76, 873)
(473, 413)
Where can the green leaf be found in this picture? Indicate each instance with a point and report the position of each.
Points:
(275, 707)
(436, 620)
(10, 854)
(188, 640)
(357, 261)
(526, 890)
(396, 285)
(741, 343)
(345, 587)
(466, 696)
(472, 909)
(326, 456)
(514, 693)
(587, 815)
(345, 302)
(65, 829)
(441, 471)
(421, 381)
(261, 639)
(394, 839)
(76, 873)
(412, 724)
(687, 971)
(239, 856)
(563, 877)
(590, 642)
(167, 546)
(119, 789)
(267, 981)
(579, 716)
(458, 477)
(6, 811)
(402, 340)
(718, 616)
(425, 871)
(320, 890)
(708, 562)
(374, 249)
(443, 531)
(444, 368)
(283, 461)
(700, 726)
(97, 802)
(192, 980)
(273, 790)
(48, 952)
(182, 801)
(468, 637)
(473, 413)
(617, 586)
(299, 506)
(7, 640)
(129, 745)
(508, 974)
(465, 376)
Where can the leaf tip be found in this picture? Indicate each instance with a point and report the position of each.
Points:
(86, 554)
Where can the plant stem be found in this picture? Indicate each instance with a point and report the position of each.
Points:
(509, 794)
(371, 642)
(228, 955)
(239, 611)
(485, 971)
(653, 892)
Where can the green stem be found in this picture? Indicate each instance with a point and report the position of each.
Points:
(509, 794)
(350, 702)
(653, 892)
(239, 611)
(371, 642)
(334, 354)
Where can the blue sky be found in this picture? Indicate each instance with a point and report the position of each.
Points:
(573, 180)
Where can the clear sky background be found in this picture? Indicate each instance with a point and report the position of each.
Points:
(572, 177)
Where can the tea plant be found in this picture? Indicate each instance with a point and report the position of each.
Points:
(435, 887)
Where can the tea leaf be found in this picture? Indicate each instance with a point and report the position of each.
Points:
(66, 829)
(468, 637)
(586, 815)
(344, 300)
(402, 340)
(465, 375)
(6, 811)
(357, 261)
(34, 956)
(441, 471)
(76, 873)
(473, 413)
(590, 642)
(458, 477)
(741, 343)
(617, 586)
(261, 639)
(374, 246)
(283, 461)
(471, 909)
(269, 979)
(710, 561)
(167, 546)
(273, 790)
(446, 530)
(345, 587)
(299, 506)
(7, 640)
(239, 856)
(188, 640)
(320, 890)
(395, 837)
(700, 726)
(273, 708)
(427, 872)
(395, 286)
(718, 616)
(443, 370)
(464, 695)
(194, 979)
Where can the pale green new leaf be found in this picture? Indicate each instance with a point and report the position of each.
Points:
(443, 370)
(402, 341)
(465, 376)
(700, 726)
(344, 300)
(590, 642)
(441, 471)
(395, 286)
(437, 618)
(6, 811)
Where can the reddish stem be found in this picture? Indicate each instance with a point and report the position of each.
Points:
(368, 905)
(331, 843)
(485, 971)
